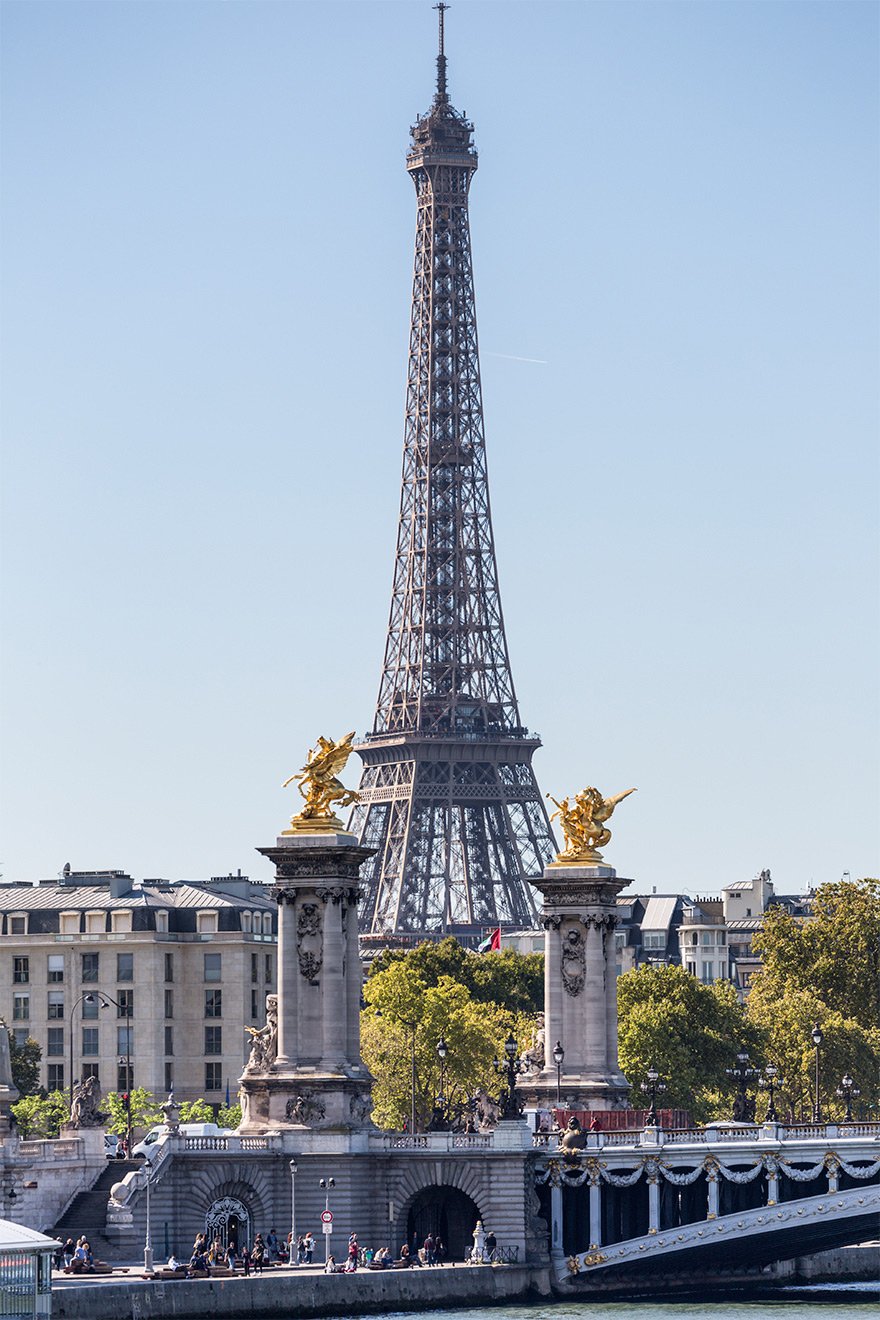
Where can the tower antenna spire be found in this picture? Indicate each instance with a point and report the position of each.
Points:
(441, 54)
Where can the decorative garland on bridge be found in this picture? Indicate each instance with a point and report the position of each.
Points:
(560, 1174)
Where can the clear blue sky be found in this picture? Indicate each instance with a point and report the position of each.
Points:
(207, 231)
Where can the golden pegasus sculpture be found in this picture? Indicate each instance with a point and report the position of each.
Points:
(583, 824)
(320, 786)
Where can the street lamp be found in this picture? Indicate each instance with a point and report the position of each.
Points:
(442, 1051)
(148, 1243)
(86, 998)
(848, 1092)
(558, 1056)
(743, 1109)
(509, 1067)
(816, 1036)
(771, 1083)
(292, 1258)
(325, 1184)
(652, 1087)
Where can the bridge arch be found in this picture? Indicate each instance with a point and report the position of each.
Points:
(426, 1192)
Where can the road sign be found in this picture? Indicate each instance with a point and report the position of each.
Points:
(326, 1216)
(328, 1229)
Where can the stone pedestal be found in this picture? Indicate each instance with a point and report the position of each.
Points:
(580, 989)
(307, 1071)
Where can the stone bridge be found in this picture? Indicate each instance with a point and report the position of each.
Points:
(715, 1199)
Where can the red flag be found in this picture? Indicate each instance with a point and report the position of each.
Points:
(495, 946)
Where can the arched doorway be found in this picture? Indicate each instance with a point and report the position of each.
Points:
(228, 1219)
(445, 1211)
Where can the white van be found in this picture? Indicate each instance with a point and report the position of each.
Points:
(185, 1130)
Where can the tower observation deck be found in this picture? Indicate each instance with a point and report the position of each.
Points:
(449, 799)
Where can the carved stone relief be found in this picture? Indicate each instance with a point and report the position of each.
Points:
(305, 1108)
(574, 961)
(309, 941)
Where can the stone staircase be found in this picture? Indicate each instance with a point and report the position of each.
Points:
(86, 1216)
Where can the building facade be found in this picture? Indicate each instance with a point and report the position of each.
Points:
(147, 984)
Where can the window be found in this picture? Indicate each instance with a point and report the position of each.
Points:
(124, 1078)
(255, 967)
(90, 1070)
(721, 937)
(55, 969)
(21, 1035)
(96, 923)
(89, 967)
(255, 1004)
(654, 939)
(620, 939)
(55, 1041)
(169, 1040)
(90, 1006)
(69, 923)
(246, 922)
(748, 912)
(707, 937)
(120, 922)
(55, 1077)
(125, 966)
(213, 1003)
(56, 1005)
(213, 1077)
(268, 969)
(162, 922)
(21, 1007)
(169, 1078)
(708, 972)
(21, 971)
(18, 925)
(90, 1040)
(126, 1004)
(212, 967)
(125, 1040)
(213, 1040)
(206, 923)
(691, 968)
(169, 966)
(169, 1003)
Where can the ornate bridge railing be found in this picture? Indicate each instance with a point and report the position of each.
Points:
(610, 1204)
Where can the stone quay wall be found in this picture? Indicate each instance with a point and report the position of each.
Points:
(368, 1292)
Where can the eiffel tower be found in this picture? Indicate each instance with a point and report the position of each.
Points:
(449, 800)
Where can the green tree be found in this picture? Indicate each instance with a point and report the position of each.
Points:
(690, 1032)
(404, 1019)
(25, 1062)
(511, 980)
(195, 1111)
(827, 970)
(40, 1115)
(145, 1111)
(229, 1116)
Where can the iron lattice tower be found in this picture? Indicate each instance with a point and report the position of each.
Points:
(449, 799)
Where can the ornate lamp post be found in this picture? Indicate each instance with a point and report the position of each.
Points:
(743, 1109)
(442, 1051)
(325, 1184)
(509, 1068)
(817, 1038)
(148, 1242)
(848, 1092)
(558, 1057)
(292, 1258)
(652, 1088)
(771, 1083)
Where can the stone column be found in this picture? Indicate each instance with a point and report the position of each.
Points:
(652, 1174)
(580, 990)
(595, 1208)
(556, 1218)
(712, 1176)
(313, 1076)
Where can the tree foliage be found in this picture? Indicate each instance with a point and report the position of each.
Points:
(689, 1031)
(229, 1116)
(405, 1017)
(40, 1115)
(510, 980)
(145, 1111)
(195, 1111)
(25, 1062)
(825, 970)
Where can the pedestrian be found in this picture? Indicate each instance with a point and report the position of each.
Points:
(330, 1267)
(308, 1248)
(259, 1254)
(231, 1253)
(68, 1251)
(272, 1244)
(246, 1261)
(429, 1249)
(491, 1244)
(439, 1250)
(353, 1249)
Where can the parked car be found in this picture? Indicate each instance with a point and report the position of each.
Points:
(112, 1146)
(186, 1129)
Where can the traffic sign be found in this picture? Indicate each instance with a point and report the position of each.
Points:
(326, 1216)
(328, 1229)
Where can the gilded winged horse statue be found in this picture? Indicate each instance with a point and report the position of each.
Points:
(583, 823)
(320, 786)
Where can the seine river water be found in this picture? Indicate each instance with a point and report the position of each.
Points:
(859, 1303)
